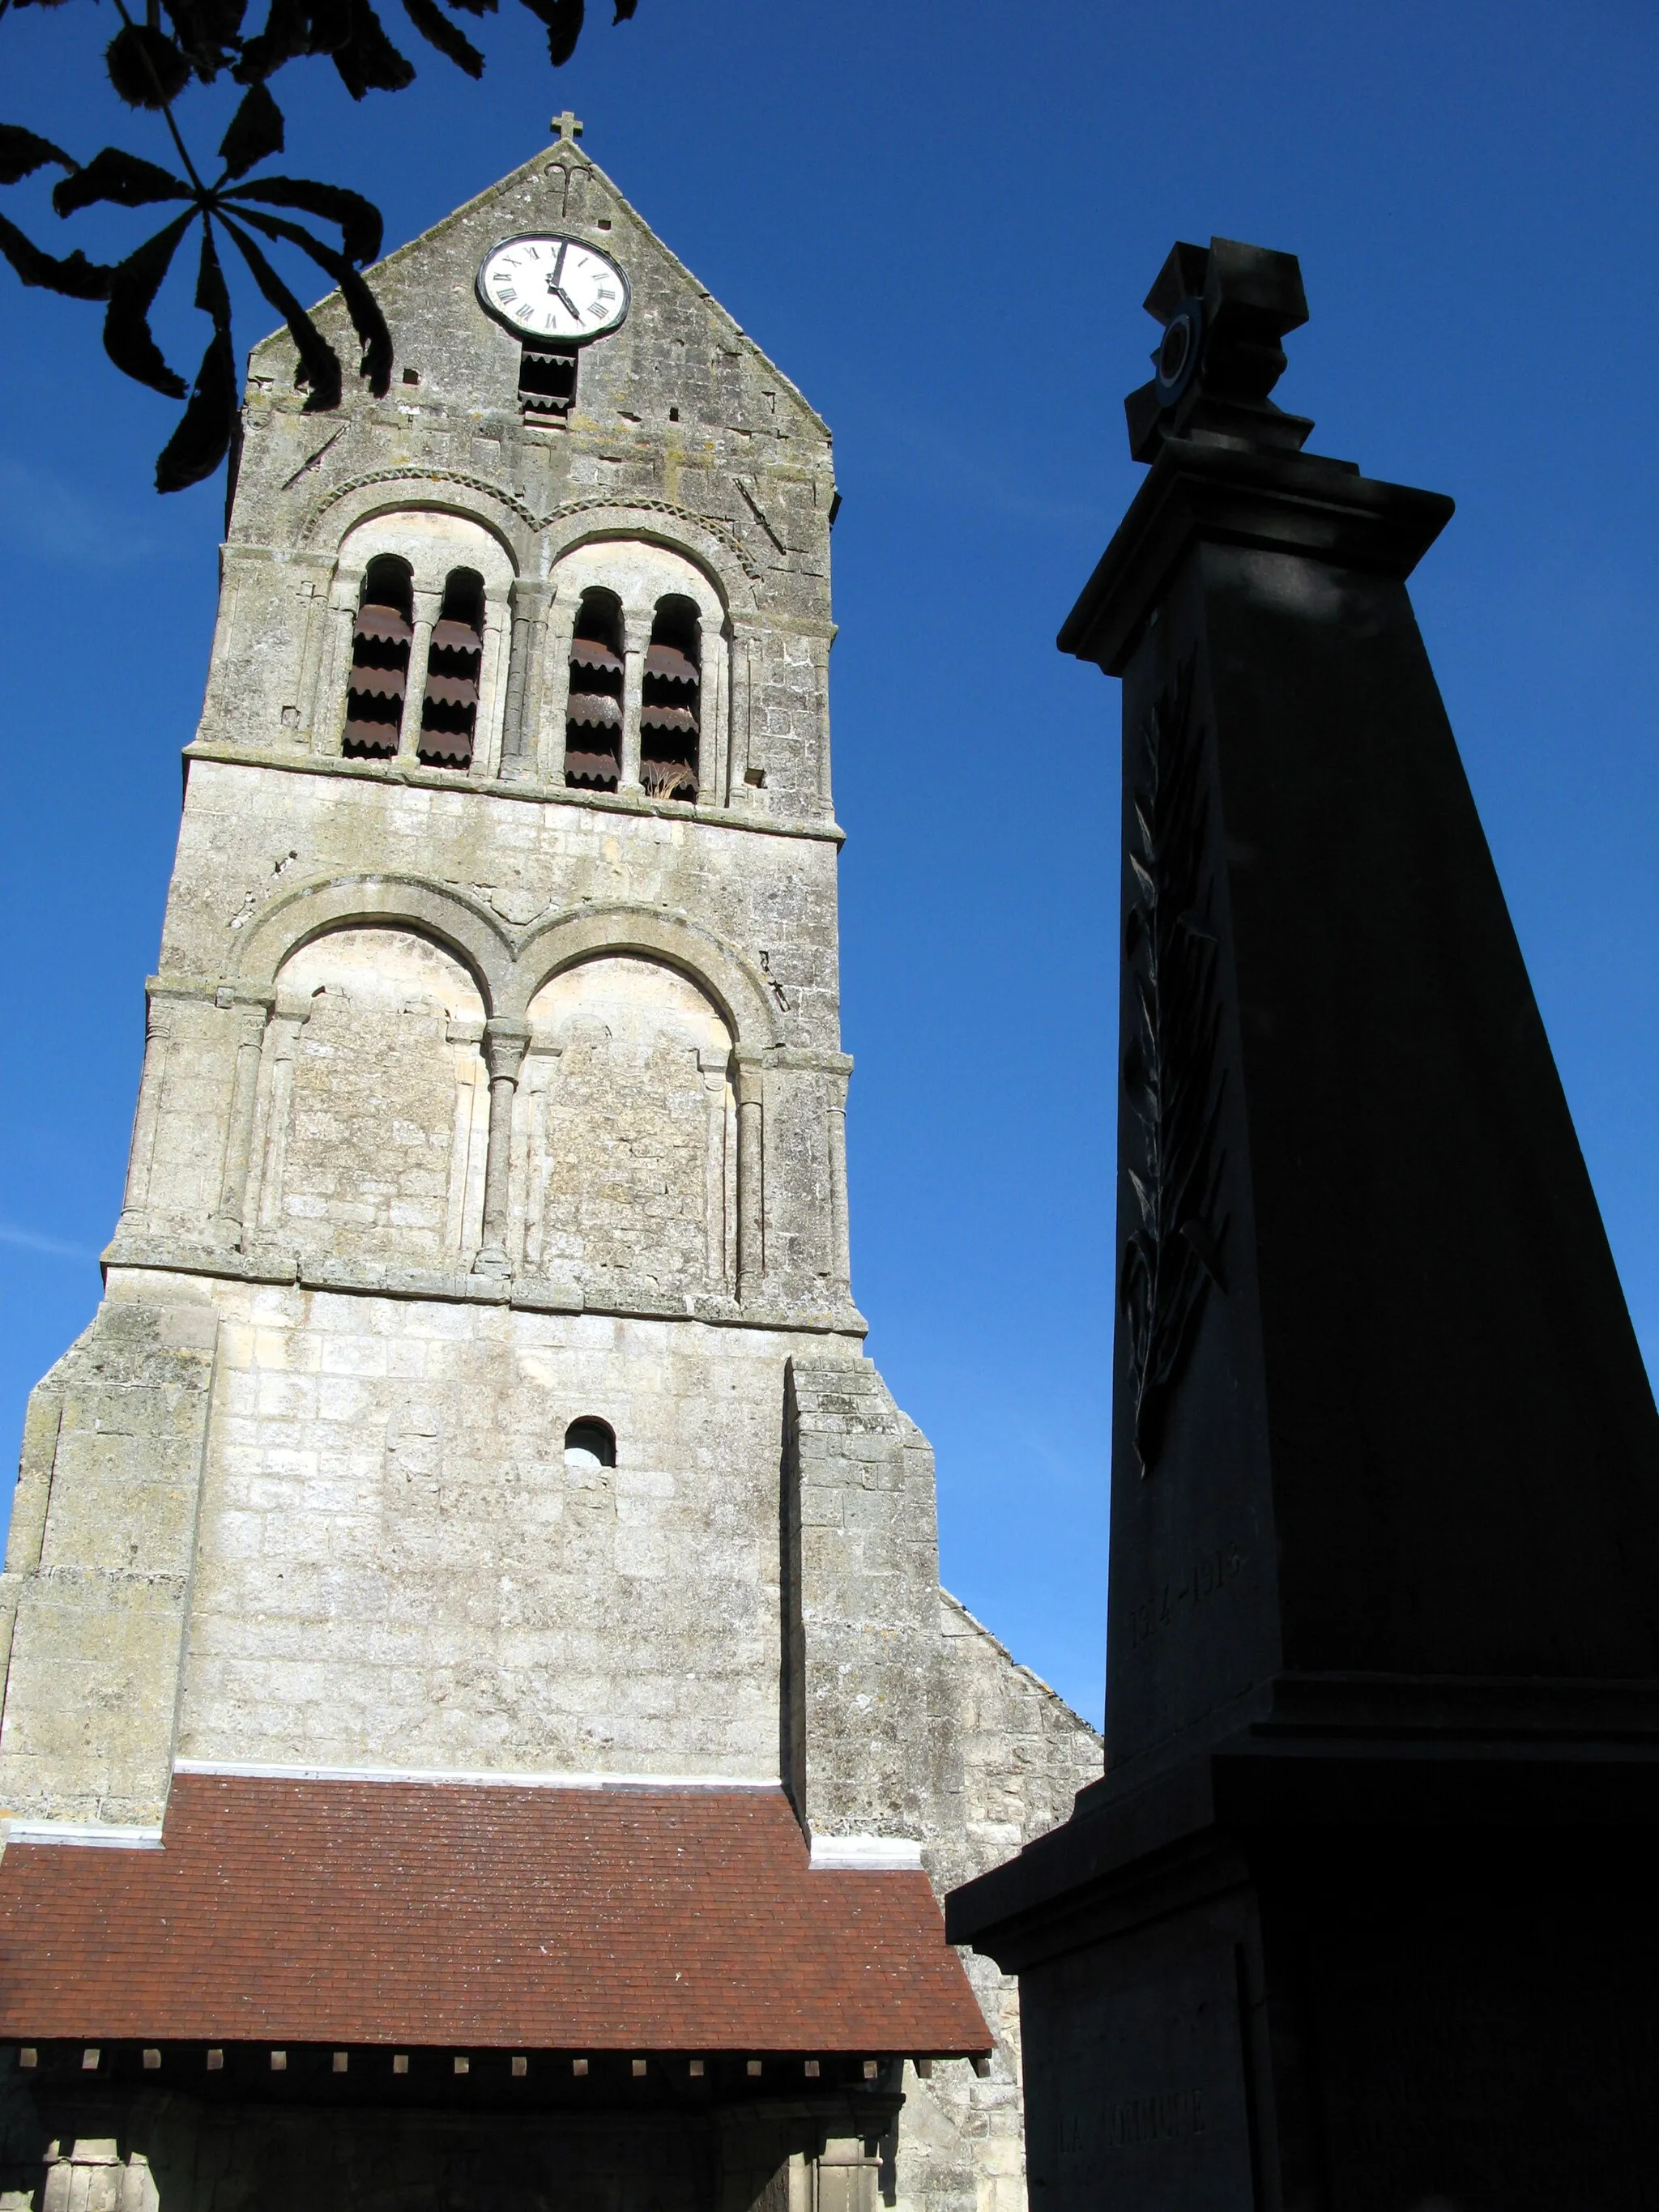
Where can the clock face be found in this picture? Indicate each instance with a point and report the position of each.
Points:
(553, 287)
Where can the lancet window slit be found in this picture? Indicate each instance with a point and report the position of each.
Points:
(669, 734)
(379, 660)
(449, 710)
(593, 741)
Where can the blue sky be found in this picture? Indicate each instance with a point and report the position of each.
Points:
(940, 220)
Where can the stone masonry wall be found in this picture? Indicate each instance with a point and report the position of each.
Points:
(906, 1716)
(99, 1562)
(398, 1568)
(256, 851)
(250, 842)
(861, 1567)
(1020, 1755)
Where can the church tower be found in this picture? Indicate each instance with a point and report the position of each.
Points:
(479, 1699)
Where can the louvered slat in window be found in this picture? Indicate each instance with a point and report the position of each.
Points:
(449, 707)
(378, 682)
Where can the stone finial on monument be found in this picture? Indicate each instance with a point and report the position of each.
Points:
(1225, 311)
(1382, 1681)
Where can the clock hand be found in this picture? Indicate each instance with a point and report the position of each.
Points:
(554, 284)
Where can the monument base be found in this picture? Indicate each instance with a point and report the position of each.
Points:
(1415, 1977)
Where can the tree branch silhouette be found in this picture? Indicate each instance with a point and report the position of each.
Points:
(153, 64)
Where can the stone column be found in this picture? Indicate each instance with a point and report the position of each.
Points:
(328, 713)
(158, 1043)
(234, 562)
(529, 601)
(91, 2172)
(713, 693)
(737, 745)
(427, 607)
(819, 650)
(489, 723)
(315, 573)
(262, 1204)
(636, 636)
(227, 1224)
(552, 679)
(841, 1264)
(715, 1068)
(751, 1177)
(505, 1043)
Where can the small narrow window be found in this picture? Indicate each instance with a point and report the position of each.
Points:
(593, 735)
(449, 712)
(379, 660)
(547, 380)
(669, 703)
(590, 1443)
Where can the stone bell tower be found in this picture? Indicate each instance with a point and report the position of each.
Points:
(471, 1497)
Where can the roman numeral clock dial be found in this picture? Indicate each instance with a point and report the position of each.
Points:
(555, 290)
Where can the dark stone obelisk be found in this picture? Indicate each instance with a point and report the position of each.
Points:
(1362, 1916)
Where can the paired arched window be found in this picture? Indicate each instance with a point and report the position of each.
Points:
(379, 682)
(381, 674)
(593, 722)
(429, 678)
(669, 735)
(449, 710)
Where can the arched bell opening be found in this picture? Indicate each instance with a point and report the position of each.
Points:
(381, 643)
(669, 724)
(449, 708)
(593, 718)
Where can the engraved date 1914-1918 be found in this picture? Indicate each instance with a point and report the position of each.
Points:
(1211, 1572)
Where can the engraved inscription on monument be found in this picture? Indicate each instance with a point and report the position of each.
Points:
(1167, 2120)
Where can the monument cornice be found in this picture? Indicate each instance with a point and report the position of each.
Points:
(1439, 1758)
(1277, 502)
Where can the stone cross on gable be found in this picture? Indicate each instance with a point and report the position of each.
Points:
(566, 129)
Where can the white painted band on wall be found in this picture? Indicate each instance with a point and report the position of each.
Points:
(101, 1835)
(474, 1779)
(865, 1855)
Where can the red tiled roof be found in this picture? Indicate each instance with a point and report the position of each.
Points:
(442, 1913)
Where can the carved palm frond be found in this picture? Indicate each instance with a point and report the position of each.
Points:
(1172, 1079)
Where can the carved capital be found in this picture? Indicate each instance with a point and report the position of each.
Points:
(748, 1076)
(505, 1043)
(530, 596)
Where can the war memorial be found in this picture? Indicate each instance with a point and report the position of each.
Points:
(1360, 1917)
